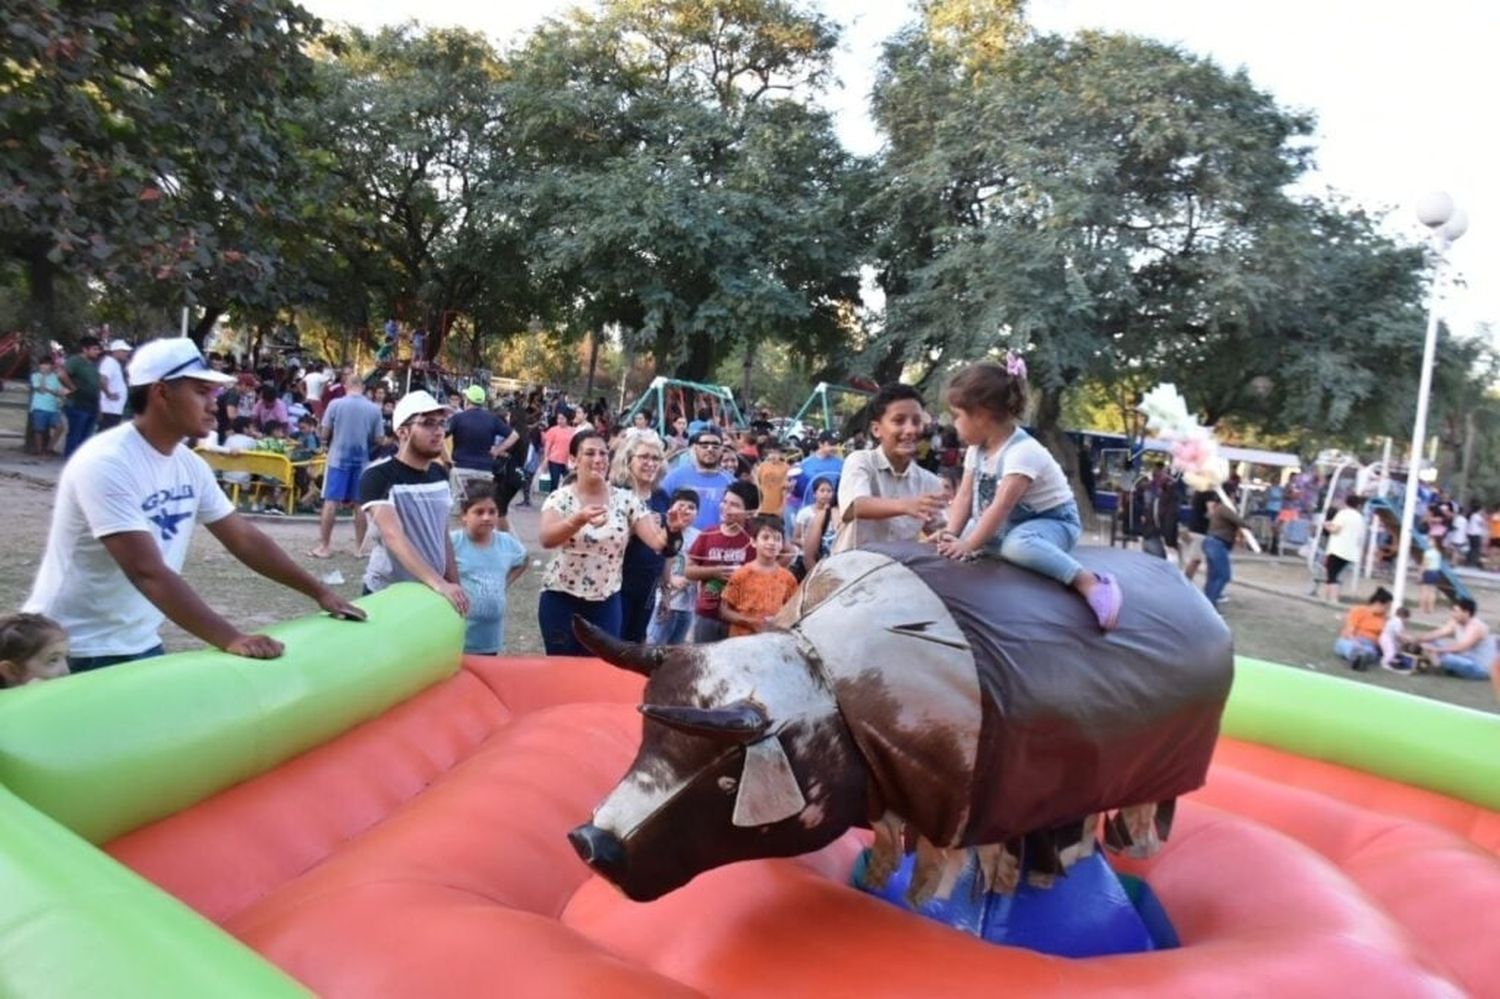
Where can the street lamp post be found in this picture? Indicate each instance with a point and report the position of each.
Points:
(1447, 223)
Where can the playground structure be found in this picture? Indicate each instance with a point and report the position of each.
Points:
(375, 815)
(818, 402)
(1382, 505)
(688, 397)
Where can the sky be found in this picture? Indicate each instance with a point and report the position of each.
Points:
(1396, 88)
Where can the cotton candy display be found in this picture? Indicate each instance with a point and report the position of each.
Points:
(1195, 452)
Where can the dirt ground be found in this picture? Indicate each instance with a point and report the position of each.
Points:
(1266, 609)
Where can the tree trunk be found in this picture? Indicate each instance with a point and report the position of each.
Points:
(1046, 426)
(698, 366)
(199, 331)
(1467, 464)
(745, 377)
(594, 337)
(42, 278)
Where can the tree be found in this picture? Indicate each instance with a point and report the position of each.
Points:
(674, 178)
(1118, 210)
(146, 143)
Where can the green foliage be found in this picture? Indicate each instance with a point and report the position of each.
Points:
(673, 176)
(148, 143)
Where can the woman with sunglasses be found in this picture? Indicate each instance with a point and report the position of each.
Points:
(588, 524)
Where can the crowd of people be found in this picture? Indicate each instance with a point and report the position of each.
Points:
(694, 534)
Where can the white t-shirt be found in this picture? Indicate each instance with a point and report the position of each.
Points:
(1346, 543)
(112, 377)
(118, 482)
(1025, 456)
(1479, 524)
(314, 382)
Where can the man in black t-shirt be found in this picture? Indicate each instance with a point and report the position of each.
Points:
(481, 447)
(407, 497)
(1192, 538)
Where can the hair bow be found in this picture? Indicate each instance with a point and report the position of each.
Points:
(1015, 365)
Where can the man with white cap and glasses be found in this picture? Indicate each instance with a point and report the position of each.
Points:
(112, 384)
(123, 520)
(408, 499)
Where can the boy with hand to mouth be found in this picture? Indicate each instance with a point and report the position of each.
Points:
(757, 590)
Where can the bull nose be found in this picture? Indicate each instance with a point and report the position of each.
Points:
(599, 848)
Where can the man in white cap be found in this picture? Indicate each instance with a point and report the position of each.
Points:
(112, 384)
(123, 519)
(408, 499)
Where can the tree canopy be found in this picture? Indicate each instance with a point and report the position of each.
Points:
(665, 173)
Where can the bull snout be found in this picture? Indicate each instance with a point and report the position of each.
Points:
(600, 849)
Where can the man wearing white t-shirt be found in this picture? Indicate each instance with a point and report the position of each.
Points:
(313, 384)
(112, 384)
(123, 519)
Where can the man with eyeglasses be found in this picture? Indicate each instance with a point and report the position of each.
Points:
(409, 500)
(702, 475)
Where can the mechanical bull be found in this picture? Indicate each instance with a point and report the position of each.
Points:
(963, 710)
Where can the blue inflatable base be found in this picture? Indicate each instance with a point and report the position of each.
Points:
(1089, 912)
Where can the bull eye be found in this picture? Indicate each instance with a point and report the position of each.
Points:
(728, 784)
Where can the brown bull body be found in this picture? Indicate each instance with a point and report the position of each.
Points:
(957, 705)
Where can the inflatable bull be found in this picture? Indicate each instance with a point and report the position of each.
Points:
(958, 709)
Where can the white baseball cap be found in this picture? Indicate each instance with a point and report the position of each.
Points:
(115, 345)
(415, 404)
(169, 359)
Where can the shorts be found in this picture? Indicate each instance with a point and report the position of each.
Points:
(1334, 566)
(1431, 577)
(341, 485)
(1191, 547)
(43, 422)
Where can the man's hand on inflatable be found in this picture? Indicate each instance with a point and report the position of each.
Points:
(338, 607)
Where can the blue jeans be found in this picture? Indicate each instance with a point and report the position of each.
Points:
(1216, 554)
(1349, 649)
(554, 613)
(80, 428)
(637, 601)
(1041, 540)
(82, 664)
(1462, 666)
(673, 631)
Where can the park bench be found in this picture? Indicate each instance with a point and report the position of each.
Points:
(268, 469)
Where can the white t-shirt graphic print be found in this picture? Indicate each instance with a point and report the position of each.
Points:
(118, 482)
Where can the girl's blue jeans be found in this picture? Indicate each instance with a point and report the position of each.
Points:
(1041, 540)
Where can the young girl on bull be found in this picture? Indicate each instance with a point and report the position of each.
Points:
(1014, 497)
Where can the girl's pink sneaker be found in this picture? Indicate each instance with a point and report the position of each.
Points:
(1105, 600)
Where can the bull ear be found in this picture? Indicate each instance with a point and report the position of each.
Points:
(640, 659)
(742, 721)
(768, 789)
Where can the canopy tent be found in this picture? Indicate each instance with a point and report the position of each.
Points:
(687, 397)
(818, 401)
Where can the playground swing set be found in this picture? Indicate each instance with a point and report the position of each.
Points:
(665, 395)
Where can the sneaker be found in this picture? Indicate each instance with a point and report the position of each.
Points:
(1405, 669)
(275, 511)
(1105, 600)
(1362, 662)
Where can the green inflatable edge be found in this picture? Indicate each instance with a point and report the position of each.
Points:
(1429, 744)
(107, 752)
(73, 922)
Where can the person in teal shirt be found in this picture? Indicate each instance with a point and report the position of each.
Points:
(488, 562)
(46, 404)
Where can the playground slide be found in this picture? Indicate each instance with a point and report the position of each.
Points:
(374, 815)
(1390, 517)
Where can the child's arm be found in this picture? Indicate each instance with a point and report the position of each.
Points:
(963, 503)
(1007, 494)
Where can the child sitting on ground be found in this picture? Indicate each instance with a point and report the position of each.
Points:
(759, 589)
(674, 605)
(1014, 497)
(33, 648)
(1390, 642)
(488, 562)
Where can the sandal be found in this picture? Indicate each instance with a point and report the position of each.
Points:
(1105, 600)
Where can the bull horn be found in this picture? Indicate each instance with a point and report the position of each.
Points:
(742, 721)
(637, 658)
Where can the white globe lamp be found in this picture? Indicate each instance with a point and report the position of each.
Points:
(1434, 209)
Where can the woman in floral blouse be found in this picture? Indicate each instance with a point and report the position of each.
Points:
(589, 522)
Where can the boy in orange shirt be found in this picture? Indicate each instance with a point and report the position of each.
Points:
(770, 478)
(760, 588)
